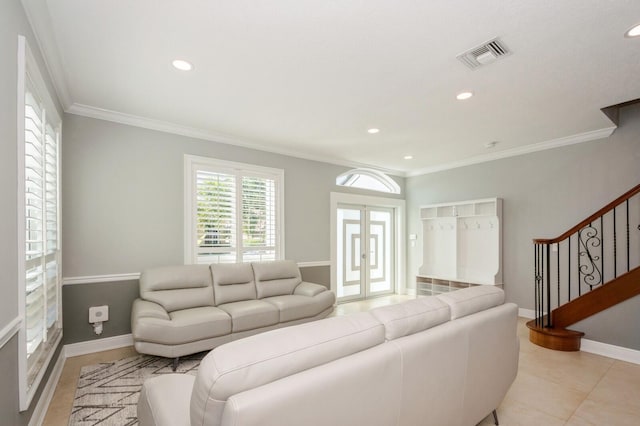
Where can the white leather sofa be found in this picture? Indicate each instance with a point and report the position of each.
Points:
(192, 308)
(438, 360)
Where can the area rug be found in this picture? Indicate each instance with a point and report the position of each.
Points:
(107, 393)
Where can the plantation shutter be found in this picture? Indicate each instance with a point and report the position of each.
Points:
(235, 213)
(258, 218)
(41, 224)
(216, 217)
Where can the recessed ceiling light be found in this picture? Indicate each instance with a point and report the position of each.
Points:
(182, 65)
(373, 131)
(633, 31)
(408, 157)
(464, 95)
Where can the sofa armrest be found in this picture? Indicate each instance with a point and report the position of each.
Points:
(165, 400)
(308, 289)
(145, 309)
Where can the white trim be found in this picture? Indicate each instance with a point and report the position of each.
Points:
(527, 149)
(42, 406)
(38, 16)
(192, 132)
(98, 345)
(591, 346)
(610, 351)
(313, 264)
(411, 292)
(194, 163)
(100, 278)
(9, 330)
(23, 387)
(91, 279)
(526, 313)
(399, 205)
(349, 179)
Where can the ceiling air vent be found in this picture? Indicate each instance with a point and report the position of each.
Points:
(484, 54)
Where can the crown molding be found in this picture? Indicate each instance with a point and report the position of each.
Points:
(40, 21)
(527, 149)
(192, 132)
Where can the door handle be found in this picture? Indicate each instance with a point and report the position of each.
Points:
(364, 255)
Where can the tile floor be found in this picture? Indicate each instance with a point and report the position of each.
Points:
(552, 388)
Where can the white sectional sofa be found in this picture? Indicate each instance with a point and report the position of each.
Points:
(438, 360)
(192, 308)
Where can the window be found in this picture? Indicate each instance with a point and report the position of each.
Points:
(233, 212)
(38, 220)
(368, 179)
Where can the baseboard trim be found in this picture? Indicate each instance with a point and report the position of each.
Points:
(526, 313)
(98, 345)
(611, 351)
(42, 406)
(598, 348)
(9, 331)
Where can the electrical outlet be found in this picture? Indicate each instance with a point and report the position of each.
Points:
(98, 313)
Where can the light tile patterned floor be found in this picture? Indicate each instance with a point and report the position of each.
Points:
(552, 388)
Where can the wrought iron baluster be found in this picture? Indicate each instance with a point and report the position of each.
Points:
(569, 268)
(535, 281)
(602, 247)
(589, 272)
(615, 246)
(558, 269)
(548, 273)
(627, 203)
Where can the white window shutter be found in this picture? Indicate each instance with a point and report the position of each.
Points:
(233, 212)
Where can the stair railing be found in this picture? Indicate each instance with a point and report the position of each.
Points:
(590, 254)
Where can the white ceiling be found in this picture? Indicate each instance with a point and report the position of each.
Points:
(309, 77)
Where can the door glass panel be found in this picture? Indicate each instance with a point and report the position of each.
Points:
(381, 243)
(349, 253)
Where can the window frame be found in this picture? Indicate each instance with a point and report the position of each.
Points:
(29, 75)
(194, 163)
(350, 179)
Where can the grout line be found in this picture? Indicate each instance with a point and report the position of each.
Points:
(591, 391)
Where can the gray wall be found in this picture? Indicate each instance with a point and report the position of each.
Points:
(544, 194)
(122, 211)
(13, 22)
(77, 299)
(122, 200)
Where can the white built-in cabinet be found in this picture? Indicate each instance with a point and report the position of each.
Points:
(462, 243)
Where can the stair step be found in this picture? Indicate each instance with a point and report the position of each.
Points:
(559, 339)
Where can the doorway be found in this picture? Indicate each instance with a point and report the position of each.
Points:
(365, 251)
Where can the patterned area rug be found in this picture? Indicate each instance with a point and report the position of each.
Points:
(107, 393)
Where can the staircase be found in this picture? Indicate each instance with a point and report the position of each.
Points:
(591, 267)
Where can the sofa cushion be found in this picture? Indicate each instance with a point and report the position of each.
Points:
(294, 307)
(250, 314)
(412, 317)
(470, 300)
(187, 325)
(233, 282)
(309, 289)
(257, 360)
(276, 278)
(177, 287)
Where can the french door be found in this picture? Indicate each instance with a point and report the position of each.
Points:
(365, 252)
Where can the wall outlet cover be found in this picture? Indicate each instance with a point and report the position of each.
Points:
(98, 313)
